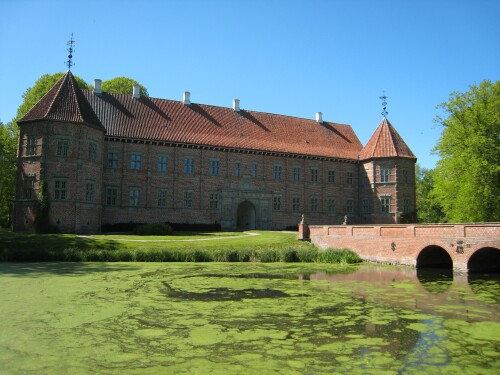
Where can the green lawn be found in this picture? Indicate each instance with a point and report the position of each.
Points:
(255, 246)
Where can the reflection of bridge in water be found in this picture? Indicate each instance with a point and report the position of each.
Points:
(438, 291)
(465, 247)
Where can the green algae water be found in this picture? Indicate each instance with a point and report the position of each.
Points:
(244, 318)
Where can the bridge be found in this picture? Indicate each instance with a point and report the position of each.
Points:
(472, 247)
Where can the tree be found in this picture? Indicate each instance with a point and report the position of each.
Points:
(122, 85)
(43, 84)
(467, 177)
(429, 207)
(8, 142)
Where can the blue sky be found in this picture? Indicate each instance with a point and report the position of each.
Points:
(288, 57)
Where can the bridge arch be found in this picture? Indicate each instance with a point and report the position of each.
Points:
(486, 259)
(434, 256)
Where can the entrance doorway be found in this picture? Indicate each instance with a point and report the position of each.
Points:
(245, 216)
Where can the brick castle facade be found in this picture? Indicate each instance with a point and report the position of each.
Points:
(107, 158)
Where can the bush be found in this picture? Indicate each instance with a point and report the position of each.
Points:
(156, 229)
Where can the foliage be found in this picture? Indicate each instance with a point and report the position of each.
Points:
(429, 208)
(467, 177)
(122, 85)
(42, 85)
(154, 229)
(8, 142)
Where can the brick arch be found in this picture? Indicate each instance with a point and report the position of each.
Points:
(484, 259)
(434, 256)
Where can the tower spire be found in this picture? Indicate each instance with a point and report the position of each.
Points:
(69, 63)
(384, 104)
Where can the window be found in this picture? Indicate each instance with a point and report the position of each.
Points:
(296, 173)
(277, 172)
(60, 191)
(162, 197)
(296, 204)
(188, 199)
(331, 177)
(384, 175)
(111, 196)
(277, 203)
(214, 167)
(62, 148)
(314, 174)
(406, 205)
(188, 165)
(89, 192)
(349, 178)
(134, 197)
(162, 163)
(254, 169)
(135, 161)
(28, 187)
(214, 200)
(113, 159)
(331, 205)
(350, 206)
(30, 145)
(385, 205)
(406, 178)
(314, 204)
(365, 208)
(237, 169)
(364, 178)
(92, 151)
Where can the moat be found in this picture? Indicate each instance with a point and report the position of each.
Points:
(246, 318)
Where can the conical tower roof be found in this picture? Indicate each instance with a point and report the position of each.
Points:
(63, 102)
(386, 143)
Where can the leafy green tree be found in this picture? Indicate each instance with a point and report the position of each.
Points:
(467, 177)
(8, 143)
(429, 207)
(43, 84)
(122, 85)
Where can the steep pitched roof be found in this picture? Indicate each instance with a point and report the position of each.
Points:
(63, 102)
(384, 143)
(172, 121)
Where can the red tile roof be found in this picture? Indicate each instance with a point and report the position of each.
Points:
(172, 121)
(384, 143)
(63, 102)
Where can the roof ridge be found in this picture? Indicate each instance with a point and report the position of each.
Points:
(228, 108)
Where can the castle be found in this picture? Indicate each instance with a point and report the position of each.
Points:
(102, 158)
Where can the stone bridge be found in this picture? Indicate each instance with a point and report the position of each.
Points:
(463, 247)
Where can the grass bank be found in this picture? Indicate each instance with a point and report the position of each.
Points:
(257, 246)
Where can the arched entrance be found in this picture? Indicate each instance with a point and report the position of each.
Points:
(245, 216)
(434, 257)
(486, 259)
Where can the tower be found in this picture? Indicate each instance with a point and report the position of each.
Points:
(387, 174)
(60, 155)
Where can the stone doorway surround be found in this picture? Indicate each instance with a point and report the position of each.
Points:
(244, 209)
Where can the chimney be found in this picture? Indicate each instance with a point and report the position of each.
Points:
(319, 117)
(186, 98)
(236, 105)
(136, 92)
(97, 86)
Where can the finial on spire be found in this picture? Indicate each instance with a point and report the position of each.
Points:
(69, 63)
(384, 104)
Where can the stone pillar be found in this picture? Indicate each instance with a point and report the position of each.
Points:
(304, 233)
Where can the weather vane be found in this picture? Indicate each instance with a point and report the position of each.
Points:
(70, 62)
(384, 104)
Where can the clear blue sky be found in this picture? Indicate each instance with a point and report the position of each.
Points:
(294, 57)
